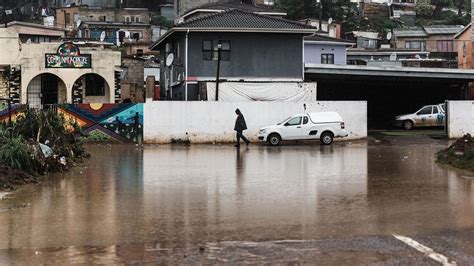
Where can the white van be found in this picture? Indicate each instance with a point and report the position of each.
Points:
(324, 126)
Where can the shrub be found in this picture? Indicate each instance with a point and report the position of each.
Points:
(17, 154)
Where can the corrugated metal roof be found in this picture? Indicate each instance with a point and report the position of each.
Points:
(239, 19)
(410, 32)
(234, 5)
(322, 38)
(443, 29)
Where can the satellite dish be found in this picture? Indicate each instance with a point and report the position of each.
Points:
(330, 21)
(102, 36)
(78, 23)
(169, 59)
(389, 35)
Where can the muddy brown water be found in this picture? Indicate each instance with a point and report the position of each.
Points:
(165, 197)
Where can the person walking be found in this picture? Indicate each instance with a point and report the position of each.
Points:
(240, 126)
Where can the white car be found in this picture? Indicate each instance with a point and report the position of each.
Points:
(427, 116)
(324, 126)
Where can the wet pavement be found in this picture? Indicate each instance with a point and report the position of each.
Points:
(215, 204)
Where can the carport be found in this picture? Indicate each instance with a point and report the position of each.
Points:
(389, 91)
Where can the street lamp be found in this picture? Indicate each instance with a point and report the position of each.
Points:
(219, 49)
(319, 4)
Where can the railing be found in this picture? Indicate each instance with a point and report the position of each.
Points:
(36, 107)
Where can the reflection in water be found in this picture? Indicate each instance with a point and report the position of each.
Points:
(181, 196)
(405, 183)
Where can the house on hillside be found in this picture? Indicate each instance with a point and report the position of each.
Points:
(389, 57)
(330, 29)
(91, 3)
(319, 49)
(437, 39)
(252, 48)
(129, 27)
(215, 8)
(464, 44)
(364, 39)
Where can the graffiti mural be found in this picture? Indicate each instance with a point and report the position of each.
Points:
(16, 110)
(120, 122)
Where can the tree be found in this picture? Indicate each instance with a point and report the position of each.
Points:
(424, 8)
(339, 10)
(439, 5)
(462, 5)
(299, 9)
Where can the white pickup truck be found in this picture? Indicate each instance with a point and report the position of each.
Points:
(324, 126)
(427, 116)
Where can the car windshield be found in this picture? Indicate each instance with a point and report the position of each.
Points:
(283, 121)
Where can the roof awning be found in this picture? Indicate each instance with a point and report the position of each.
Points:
(330, 71)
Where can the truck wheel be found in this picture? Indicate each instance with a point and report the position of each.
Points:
(326, 138)
(274, 139)
(408, 125)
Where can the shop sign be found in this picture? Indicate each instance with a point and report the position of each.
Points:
(68, 56)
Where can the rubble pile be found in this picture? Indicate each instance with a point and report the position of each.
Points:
(37, 144)
(460, 154)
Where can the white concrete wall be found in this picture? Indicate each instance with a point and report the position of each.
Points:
(204, 122)
(10, 45)
(460, 118)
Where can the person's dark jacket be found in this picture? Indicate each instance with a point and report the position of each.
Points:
(240, 124)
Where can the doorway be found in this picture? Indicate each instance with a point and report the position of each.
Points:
(46, 89)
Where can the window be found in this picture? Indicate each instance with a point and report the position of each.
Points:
(138, 19)
(445, 46)
(136, 35)
(127, 19)
(425, 111)
(443, 107)
(210, 50)
(305, 120)
(327, 58)
(207, 50)
(67, 18)
(294, 121)
(102, 18)
(38, 39)
(435, 110)
(418, 45)
(44, 39)
(95, 85)
(369, 43)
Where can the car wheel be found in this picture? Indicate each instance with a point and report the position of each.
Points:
(408, 125)
(274, 139)
(326, 138)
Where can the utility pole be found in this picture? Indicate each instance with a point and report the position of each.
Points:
(219, 48)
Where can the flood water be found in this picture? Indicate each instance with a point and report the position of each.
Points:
(185, 196)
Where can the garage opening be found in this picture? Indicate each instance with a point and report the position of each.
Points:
(388, 97)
